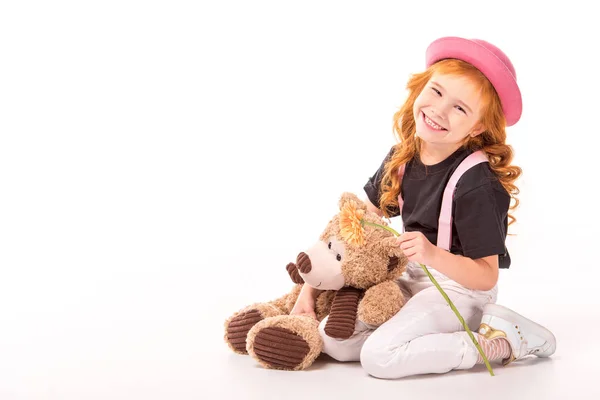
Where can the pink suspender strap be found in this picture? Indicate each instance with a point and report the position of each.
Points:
(400, 199)
(445, 222)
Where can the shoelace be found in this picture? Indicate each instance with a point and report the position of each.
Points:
(528, 352)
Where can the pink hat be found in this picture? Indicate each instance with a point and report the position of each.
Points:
(491, 61)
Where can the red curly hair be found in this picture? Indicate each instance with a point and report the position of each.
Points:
(491, 141)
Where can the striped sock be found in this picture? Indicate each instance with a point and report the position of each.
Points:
(495, 349)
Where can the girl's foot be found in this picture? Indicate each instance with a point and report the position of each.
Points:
(524, 336)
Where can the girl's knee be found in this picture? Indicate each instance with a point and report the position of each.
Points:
(379, 359)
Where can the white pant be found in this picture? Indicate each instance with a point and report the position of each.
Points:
(425, 336)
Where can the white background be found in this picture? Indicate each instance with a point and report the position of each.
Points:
(161, 162)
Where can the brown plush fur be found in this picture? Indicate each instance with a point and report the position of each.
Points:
(372, 267)
(380, 303)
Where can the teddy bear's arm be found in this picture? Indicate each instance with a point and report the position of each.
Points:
(380, 303)
(342, 318)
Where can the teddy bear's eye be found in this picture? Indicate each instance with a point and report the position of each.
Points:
(329, 245)
(338, 257)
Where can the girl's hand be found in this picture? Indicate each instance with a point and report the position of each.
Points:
(304, 307)
(417, 247)
(305, 304)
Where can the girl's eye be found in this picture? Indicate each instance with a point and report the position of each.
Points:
(329, 245)
(459, 108)
(437, 91)
(338, 257)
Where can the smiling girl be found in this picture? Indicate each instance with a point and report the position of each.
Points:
(450, 177)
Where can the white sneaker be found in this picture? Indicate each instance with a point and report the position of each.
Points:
(525, 336)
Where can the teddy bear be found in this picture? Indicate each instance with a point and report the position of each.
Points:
(354, 263)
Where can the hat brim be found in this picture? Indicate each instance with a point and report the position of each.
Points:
(488, 63)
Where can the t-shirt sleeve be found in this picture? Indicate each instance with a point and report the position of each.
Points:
(480, 219)
(373, 186)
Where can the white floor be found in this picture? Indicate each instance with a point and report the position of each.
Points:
(158, 334)
(571, 373)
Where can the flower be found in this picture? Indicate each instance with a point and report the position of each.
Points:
(437, 285)
(351, 227)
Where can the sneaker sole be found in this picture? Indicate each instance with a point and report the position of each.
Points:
(536, 329)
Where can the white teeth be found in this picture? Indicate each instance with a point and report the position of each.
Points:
(432, 124)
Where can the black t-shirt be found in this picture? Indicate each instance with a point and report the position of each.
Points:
(479, 209)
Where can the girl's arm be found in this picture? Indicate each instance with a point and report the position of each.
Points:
(305, 304)
(478, 274)
(371, 207)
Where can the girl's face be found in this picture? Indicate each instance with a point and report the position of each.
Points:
(447, 111)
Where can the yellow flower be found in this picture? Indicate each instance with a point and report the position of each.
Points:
(351, 228)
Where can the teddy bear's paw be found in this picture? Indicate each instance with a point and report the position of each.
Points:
(238, 325)
(238, 328)
(285, 342)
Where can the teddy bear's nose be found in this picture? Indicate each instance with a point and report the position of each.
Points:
(303, 262)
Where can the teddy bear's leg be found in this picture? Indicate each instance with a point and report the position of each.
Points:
(238, 325)
(288, 342)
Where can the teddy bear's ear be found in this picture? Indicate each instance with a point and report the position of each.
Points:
(397, 259)
(292, 270)
(391, 248)
(347, 196)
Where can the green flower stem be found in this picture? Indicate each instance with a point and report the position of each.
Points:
(460, 318)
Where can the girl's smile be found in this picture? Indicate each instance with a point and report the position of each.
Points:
(431, 124)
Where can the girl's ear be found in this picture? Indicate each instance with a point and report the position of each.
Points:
(477, 130)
